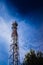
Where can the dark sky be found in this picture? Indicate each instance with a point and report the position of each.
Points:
(26, 9)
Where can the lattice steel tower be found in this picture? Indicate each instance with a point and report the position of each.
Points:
(14, 49)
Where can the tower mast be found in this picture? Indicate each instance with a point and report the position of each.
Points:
(14, 49)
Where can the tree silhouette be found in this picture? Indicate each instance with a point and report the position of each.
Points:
(33, 58)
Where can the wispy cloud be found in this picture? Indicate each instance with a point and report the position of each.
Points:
(29, 37)
(4, 30)
(4, 41)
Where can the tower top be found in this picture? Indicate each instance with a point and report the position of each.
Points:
(14, 25)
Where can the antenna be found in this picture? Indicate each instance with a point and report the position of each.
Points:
(14, 48)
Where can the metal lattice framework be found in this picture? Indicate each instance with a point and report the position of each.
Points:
(14, 49)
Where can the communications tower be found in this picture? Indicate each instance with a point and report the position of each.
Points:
(14, 48)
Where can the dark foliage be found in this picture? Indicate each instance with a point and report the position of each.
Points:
(33, 58)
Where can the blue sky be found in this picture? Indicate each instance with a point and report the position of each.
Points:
(30, 28)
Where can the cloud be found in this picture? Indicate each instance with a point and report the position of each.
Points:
(28, 36)
(4, 12)
(4, 30)
(5, 40)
